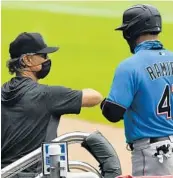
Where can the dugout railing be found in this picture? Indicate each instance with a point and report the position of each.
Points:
(35, 156)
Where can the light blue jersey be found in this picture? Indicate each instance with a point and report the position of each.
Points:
(143, 84)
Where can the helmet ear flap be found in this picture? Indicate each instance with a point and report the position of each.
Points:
(126, 35)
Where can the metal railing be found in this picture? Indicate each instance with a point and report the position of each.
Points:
(78, 165)
(35, 156)
(84, 167)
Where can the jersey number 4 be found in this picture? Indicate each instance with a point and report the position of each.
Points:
(164, 106)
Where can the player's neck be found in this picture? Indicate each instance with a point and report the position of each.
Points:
(29, 75)
(147, 37)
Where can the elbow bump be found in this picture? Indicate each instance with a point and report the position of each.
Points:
(99, 98)
(112, 112)
(96, 98)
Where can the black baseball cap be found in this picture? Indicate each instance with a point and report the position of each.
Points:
(29, 43)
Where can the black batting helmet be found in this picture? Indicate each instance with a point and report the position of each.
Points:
(140, 19)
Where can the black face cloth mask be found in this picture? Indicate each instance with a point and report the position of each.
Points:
(44, 70)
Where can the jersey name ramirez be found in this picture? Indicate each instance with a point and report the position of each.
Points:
(160, 70)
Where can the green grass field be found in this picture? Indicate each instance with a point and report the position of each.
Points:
(90, 49)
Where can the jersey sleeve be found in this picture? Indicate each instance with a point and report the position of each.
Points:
(62, 100)
(123, 86)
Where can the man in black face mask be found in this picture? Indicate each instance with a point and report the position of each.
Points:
(31, 111)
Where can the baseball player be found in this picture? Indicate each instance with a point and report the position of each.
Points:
(142, 93)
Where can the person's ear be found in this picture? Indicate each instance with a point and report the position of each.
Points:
(27, 61)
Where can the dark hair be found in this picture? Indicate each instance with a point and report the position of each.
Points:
(14, 66)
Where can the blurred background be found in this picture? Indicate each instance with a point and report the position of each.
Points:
(90, 49)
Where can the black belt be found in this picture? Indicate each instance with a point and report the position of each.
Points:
(152, 140)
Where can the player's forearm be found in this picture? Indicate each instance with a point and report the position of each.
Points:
(91, 98)
(111, 111)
